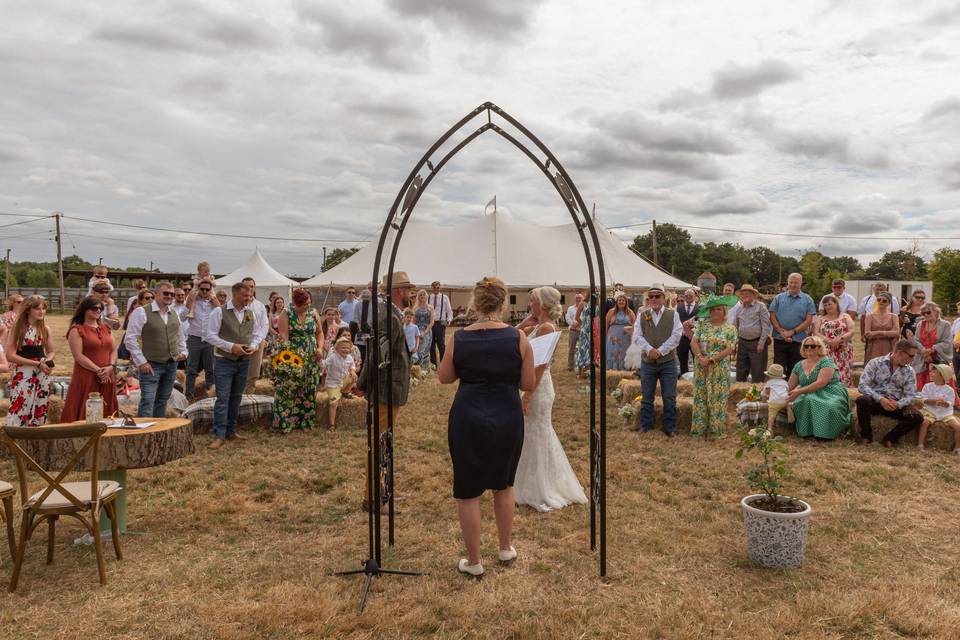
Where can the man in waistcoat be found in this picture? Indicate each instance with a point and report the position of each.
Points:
(236, 335)
(687, 310)
(156, 343)
(442, 316)
(393, 348)
(657, 333)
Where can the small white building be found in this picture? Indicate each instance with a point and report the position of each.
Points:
(902, 289)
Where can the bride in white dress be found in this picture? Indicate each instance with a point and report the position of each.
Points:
(544, 479)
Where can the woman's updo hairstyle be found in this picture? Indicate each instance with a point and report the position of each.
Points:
(489, 295)
(549, 299)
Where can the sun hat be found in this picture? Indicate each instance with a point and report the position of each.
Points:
(775, 371)
(400, 280)
(748, 287)
(716, 301)
(946, 371)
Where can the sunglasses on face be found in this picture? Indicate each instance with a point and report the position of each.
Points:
(927, 313)
(883, 301)
(147, 298)
(166, 293)
(351, 293)
(809, 346)
(205, 289)
(654, 296)
(98, 308)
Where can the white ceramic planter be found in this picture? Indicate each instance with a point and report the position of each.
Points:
(776, 540)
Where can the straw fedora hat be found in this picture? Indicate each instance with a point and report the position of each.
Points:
(400, 280)
(748, 287)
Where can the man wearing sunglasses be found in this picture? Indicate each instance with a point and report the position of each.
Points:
(201, 304)
(656, 333)
(156, 344)
(888, 387)
(848, 304)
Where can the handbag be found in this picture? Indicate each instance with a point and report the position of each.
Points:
(32, 352)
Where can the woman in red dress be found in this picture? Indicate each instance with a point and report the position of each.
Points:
(91, 343)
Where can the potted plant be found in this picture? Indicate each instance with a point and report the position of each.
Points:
(776, 524)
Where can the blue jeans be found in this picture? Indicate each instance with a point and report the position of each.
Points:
(231, 378)
(155, 389)
(666, 373)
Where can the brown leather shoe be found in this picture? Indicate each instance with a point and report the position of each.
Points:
(236, 436)
(217, 443)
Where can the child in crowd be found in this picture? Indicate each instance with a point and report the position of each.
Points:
(339, 376)
(354, 351)
(412, 333)
(775, 393)
(99, 275)
(939, 398)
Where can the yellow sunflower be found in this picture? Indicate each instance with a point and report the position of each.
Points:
(287, 356)
(297, 361)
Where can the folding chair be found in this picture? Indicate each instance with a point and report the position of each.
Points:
(74, 499)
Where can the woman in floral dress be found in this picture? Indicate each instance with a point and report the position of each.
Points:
(300, 329)
(423, 316)
(713, 342)
(585, 340)
(836, 329)
(29, 350)
(619, 319)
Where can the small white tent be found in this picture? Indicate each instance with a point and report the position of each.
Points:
(267, 278)
(523, 255)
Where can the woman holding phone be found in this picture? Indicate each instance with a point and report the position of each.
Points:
(29, 350)
(91, 343)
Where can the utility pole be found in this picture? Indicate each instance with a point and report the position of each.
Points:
(63, 295)
(653, 239)
(6, 281)
(324, 263)
(99, 260)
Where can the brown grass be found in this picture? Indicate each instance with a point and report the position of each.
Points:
(240, 543)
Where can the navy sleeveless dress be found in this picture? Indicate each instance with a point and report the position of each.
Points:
(485, 428)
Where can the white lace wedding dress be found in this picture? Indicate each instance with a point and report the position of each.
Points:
(544, 479)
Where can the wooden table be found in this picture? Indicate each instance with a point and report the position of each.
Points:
(166, 440)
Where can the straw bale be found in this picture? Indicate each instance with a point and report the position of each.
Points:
(351, 414)
(684, 414)
(614, 376)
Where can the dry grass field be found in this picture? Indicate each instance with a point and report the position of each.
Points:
(239, 543)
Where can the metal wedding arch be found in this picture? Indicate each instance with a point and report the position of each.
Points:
(380, 449)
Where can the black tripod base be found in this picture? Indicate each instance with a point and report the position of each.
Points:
(371, 570)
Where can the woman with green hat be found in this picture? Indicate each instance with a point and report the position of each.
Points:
(713, 342)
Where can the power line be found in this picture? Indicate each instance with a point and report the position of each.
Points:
(794, 235)
(24, 215)
(213, 234)
(13, 224)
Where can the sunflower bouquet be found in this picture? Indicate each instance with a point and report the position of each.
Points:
(286, 365)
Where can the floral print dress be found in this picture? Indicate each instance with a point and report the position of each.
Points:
(584, 341)
(422, 316)
(29, 390)
(711, 386)
(295, 403)
(618, 340)
(843, 357)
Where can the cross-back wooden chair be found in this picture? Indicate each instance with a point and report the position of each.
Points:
(59, 498)
(7, 492)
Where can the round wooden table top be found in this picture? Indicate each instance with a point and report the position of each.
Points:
(166, 440)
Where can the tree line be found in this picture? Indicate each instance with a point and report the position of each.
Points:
(763, 267)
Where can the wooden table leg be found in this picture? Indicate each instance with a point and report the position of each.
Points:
(120, 477)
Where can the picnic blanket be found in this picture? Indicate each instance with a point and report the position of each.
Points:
(252, 409)
(755, 412)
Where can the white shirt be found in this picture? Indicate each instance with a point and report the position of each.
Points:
(135, 329)
(337, 367)
(350, 311)
(932, 391)
(847, 303)
(130, 302)
(261, 318)
(869, 303)
(732, 313)
(110, 315)
(442, 311)
(778, 390)
(571, 316)
(955, 330)
(197, 325)
(180, 309)
(212, 336)
(669, 344)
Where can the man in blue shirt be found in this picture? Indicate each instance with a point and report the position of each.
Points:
(791, 313)
(350, 307)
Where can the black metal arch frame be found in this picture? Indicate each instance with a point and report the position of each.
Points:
(380, 450)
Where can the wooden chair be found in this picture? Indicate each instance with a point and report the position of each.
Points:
(7, 492)
(74, 499)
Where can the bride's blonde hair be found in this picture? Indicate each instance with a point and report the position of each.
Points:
(549, 299)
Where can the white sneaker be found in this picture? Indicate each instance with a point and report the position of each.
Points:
(475, 570)
(507, 557)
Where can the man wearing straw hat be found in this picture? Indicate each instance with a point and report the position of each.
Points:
(393, 348)
(752, 323)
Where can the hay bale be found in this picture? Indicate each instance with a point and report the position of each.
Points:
(417, 372)
(54, 409)
(351, 414)
(614, 376)
(684, 389)
(181, 376)
(263, 387)
(630, 388)
(684, 415)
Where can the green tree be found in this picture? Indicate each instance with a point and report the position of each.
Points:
(764, 264)
(846, 266)
(812, 266)
(944, 271)
(898, 265)
(335, 257)
(676, 251)
(728, 261)
(38, 277)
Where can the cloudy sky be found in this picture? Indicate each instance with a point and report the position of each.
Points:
(300, 119)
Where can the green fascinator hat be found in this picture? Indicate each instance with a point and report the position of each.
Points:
(716, 301)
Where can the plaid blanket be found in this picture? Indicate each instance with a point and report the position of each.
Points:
(756, 413)
(252, 408)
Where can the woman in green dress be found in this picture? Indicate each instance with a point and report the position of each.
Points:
(295, 403)
(713, 342)
(821, 406)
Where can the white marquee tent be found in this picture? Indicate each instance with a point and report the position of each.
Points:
(267, 278)
(523, 255)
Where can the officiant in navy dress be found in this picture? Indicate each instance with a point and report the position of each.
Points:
(493, 362)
